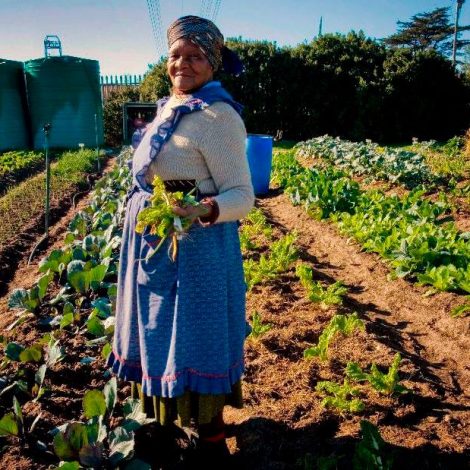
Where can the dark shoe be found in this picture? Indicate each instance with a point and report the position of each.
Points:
(208, 456)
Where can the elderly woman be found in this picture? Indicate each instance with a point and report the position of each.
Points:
(180, 325)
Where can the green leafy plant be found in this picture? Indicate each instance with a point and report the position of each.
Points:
(341, 397)
(280, 257)
(385, 383)
(94, 444)
(83, 276)
(30, 299)
(331, 295)
(159, 217)
(461, 310)
(258, 328)
(344, 324)
(255, 230)
(371, 452)
(12, 424)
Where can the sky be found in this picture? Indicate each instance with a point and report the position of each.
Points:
(118, 33)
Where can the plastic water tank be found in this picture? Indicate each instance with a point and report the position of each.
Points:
(65, 91)
(259, 151)
(13, 128)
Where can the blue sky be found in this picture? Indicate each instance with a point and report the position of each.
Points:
(118, 33)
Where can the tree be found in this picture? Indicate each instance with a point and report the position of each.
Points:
(156, 83)
(429, 30)
(112, 114)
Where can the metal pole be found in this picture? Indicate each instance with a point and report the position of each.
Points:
(97, 148)
(456, 27)
(47, 128)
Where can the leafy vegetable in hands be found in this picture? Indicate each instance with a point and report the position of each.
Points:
(160, 219)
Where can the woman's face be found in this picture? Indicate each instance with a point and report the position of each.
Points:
(187, 66)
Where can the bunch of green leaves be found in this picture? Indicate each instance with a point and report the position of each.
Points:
(461, 310)
(345, 324)
(30, 299)
(94, 444)
(255, 231)
(371, 452)
(159, 219)
(331, 295)
(385, 383)
(17, 165)
(258, 328)
(367, 158)
(323, 192)
(340, 397)
(445, 158)
(12, 424)
(280, 257)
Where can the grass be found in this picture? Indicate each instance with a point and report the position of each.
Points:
(25, 202)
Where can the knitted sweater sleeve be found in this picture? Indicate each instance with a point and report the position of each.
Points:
(222, 144)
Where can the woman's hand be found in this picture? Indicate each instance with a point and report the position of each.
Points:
(194, 212)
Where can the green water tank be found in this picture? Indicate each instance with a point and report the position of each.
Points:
(65, 91)
(13, 128)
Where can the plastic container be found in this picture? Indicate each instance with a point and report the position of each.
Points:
(13, 118)
(259, 151)
(65, 91)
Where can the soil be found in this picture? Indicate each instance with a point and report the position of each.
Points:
(283, 425)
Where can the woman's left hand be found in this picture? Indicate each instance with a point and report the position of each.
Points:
(193, 212)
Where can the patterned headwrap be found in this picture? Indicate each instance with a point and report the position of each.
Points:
(205, 35)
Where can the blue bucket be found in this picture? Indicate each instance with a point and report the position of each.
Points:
(259, 151)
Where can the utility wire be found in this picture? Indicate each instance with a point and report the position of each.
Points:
(203, 7)
(216, 9)
(156, 22)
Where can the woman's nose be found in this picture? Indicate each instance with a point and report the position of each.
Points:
(181, 61)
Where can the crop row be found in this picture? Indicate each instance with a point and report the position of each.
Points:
(411, 233)
(368, 159)
(74, 298)
(24, 203)
(343, 398)
(18, 165)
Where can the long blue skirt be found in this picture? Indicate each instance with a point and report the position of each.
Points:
(180, 325)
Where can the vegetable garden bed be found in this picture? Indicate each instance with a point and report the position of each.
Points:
(321, 310)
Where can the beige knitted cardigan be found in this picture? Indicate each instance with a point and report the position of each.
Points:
(208, 146)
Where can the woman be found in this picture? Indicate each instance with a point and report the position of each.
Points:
(180, 325)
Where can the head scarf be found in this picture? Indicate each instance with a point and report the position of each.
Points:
(205, 35)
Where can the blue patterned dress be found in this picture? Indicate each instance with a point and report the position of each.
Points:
(180, 325)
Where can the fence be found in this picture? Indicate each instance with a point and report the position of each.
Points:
(115, 82)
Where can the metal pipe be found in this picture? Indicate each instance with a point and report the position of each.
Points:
(98, 164)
